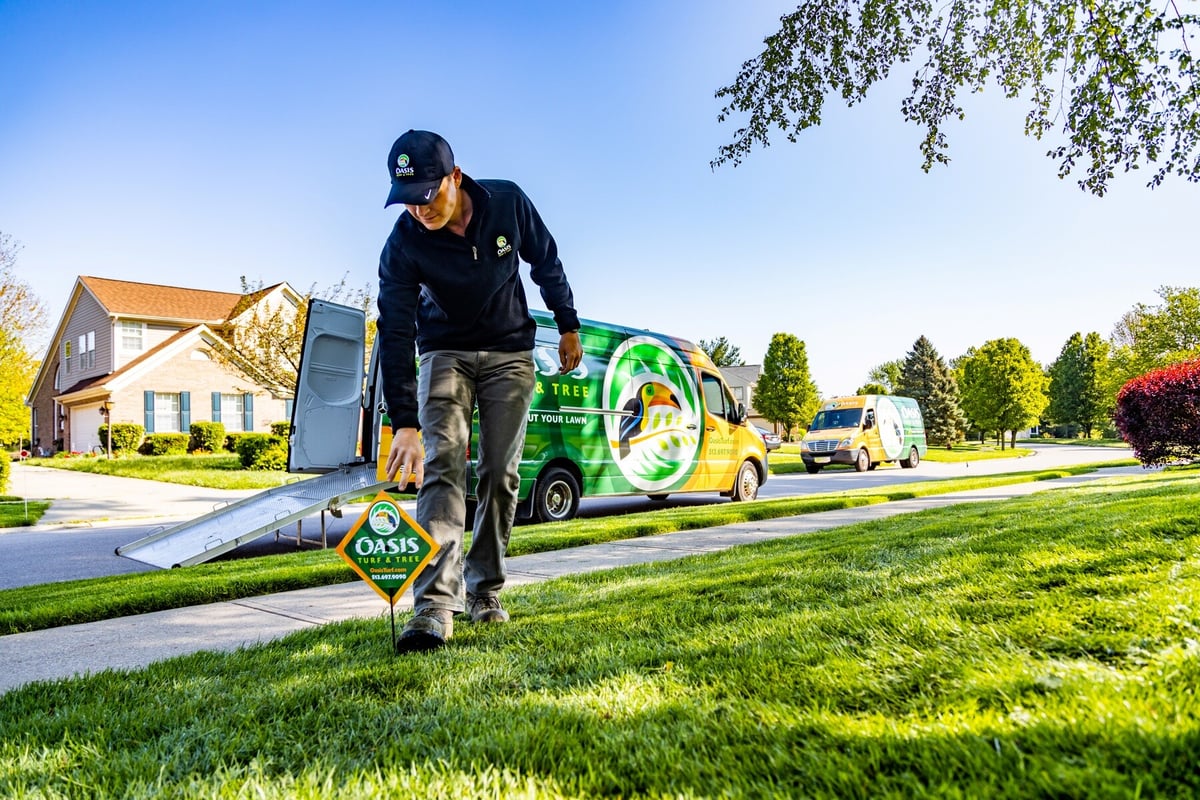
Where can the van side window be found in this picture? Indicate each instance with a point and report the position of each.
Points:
(718, 399)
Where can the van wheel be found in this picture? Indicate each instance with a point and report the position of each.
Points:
(557, 497)
(812, 469)
(746, 485)
(863, 462)
(658, 498)
(913, 459)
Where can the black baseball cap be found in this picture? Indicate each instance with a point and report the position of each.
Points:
(417, 163)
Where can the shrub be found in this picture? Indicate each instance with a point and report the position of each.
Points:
(125, 436)
(5, 471)
(206, 436)
(283, 429)
(232, 439)
(262, 451)
(1159, 413)
(164, 444)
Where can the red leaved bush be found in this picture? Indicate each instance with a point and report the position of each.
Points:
(1159, 413)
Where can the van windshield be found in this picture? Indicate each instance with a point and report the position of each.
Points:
(836, 418)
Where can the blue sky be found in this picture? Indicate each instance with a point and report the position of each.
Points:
(194, 143)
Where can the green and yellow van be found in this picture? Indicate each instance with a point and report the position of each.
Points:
(866, 431)
(643, 414)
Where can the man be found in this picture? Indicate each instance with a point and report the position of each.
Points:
(449, 282)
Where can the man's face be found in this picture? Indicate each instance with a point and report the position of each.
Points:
(438, 211)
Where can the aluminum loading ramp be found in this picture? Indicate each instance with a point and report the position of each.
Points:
(229, 526)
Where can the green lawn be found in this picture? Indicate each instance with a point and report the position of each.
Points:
(1038, 647)
(214, 470)
(69, 602)
(15, 511)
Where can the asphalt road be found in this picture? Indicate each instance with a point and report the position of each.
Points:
(44, 555)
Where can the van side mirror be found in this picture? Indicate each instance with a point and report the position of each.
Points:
(739, 414)
(870, 423)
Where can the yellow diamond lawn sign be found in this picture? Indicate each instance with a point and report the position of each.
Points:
(387, 548)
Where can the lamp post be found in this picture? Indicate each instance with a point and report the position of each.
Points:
(105, 410)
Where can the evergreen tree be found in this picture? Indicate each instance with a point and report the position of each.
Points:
(925, 377)
(722, 353)
(785, 393)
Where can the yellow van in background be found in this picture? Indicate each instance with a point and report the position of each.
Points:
(866, 431)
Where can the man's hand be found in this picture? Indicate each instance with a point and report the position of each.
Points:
(406, 458)
(570, 352)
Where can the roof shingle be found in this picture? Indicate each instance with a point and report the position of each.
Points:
(129, 298)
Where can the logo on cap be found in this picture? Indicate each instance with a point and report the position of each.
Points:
(402, 168)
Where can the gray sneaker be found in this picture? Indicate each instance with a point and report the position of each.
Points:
(428, 629)
(486, 608)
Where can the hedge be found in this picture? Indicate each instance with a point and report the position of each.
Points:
(125, 436)
(164, 444)
(206, 437)
(262, 451)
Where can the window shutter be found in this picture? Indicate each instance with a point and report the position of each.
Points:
(289, 405)
(185, 411)
(248, 412)
(216, 406)
(148, 407)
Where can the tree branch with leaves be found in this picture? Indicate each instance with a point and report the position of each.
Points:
(1116, 80)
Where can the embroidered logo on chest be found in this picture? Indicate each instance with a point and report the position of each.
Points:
(503, 248)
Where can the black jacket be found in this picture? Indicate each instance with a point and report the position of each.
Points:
(442, 291)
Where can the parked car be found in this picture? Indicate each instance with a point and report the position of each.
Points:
(771, 440)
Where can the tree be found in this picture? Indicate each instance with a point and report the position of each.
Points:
(1148, 337)
(722, 353)
(926, 378)
(1078, 380)
(1003, 388)
(21, 318)
(1117, 77)
(1159, 413)
(785, 393)
(872, 388)
(269, 340)
(887, 375)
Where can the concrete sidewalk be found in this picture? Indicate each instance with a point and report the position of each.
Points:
(135, 642)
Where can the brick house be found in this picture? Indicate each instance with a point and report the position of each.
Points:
(145, 354)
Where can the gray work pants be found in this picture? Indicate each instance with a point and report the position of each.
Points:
(450, 384)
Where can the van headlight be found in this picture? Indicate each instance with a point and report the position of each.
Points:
(844, 443)
(803, 445)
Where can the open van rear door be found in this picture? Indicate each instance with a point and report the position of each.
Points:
(329, 389)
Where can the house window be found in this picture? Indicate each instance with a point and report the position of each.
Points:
(87, 350)
(166, 412)
(233, 410)
(67, 356)
(132, 335)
